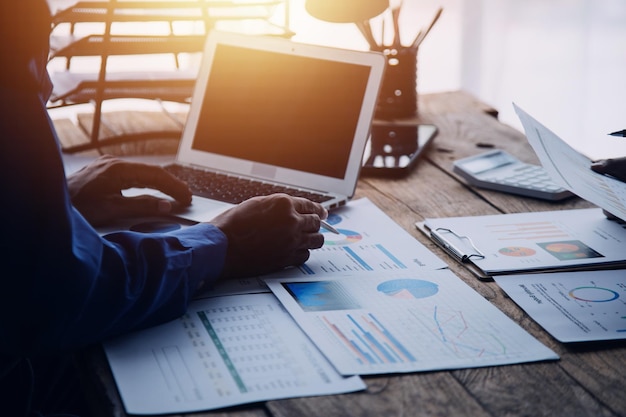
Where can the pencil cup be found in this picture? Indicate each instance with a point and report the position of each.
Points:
(398, 93)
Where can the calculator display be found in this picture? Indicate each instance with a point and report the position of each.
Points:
(486, 162)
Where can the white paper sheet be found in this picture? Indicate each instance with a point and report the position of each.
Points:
(405, 322)
(571, 169)
(548, 240)
(573, 306)
(369, 242)
(225, 351)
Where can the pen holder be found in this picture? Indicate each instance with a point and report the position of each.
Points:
(398, 93)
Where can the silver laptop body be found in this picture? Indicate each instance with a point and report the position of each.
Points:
(269, 109)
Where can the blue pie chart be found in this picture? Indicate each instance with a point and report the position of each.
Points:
(408, 288)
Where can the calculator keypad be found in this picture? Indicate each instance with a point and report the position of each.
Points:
(500, 171)
(526, 176)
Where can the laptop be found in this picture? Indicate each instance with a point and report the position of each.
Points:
(290, 115)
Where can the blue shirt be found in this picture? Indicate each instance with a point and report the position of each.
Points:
(62, 286)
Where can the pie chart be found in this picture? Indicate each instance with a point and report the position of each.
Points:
(593, 294)
(517, 251)
(408, 288)
(345, 237)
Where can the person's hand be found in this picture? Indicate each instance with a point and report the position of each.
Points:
(616, 168)
(269, 233)
(96, 190)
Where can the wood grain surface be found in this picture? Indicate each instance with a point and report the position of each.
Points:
(588, 380)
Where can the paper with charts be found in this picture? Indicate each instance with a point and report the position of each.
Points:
(537, 241)
(417, 321)
(225, 351)
(573, 306)
(571, 169)
(368, 241)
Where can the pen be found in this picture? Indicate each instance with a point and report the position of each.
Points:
(620, 133)
(366, 30)
(328, 227)
(422, 35)
(395, 17)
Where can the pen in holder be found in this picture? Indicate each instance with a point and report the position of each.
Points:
(398, 92)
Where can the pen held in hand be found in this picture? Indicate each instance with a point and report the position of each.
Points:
(328, 227)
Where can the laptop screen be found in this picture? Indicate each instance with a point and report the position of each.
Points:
(285, 110)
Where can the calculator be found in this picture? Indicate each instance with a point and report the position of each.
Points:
(500, 171)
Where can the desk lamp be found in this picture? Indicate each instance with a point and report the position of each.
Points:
(358, 12)
(345, 11)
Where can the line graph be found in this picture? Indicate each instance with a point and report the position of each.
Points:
(460, 336)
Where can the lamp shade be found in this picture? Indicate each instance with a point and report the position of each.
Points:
(345, 11)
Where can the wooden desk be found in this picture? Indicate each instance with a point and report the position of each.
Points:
(589, 380)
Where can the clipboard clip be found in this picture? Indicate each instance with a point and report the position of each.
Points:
(437, 236)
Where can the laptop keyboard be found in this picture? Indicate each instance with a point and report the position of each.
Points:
(231, 189)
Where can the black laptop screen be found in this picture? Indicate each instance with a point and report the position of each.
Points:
(294, 112)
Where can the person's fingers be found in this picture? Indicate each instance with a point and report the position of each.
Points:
(600, 166)
(292, 223)
(109, 175)
(310, 223)
(305, 206)
(614, 167)
(153, 176)
(300, 257)
(314, 241)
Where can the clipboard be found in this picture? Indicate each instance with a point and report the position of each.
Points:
(461, 248)
(507, 244)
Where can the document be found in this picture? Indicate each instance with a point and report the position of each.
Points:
(369, 241)
(225, 351)
(532, 242)
(571, 169)
(405, 321)
(573, 306)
